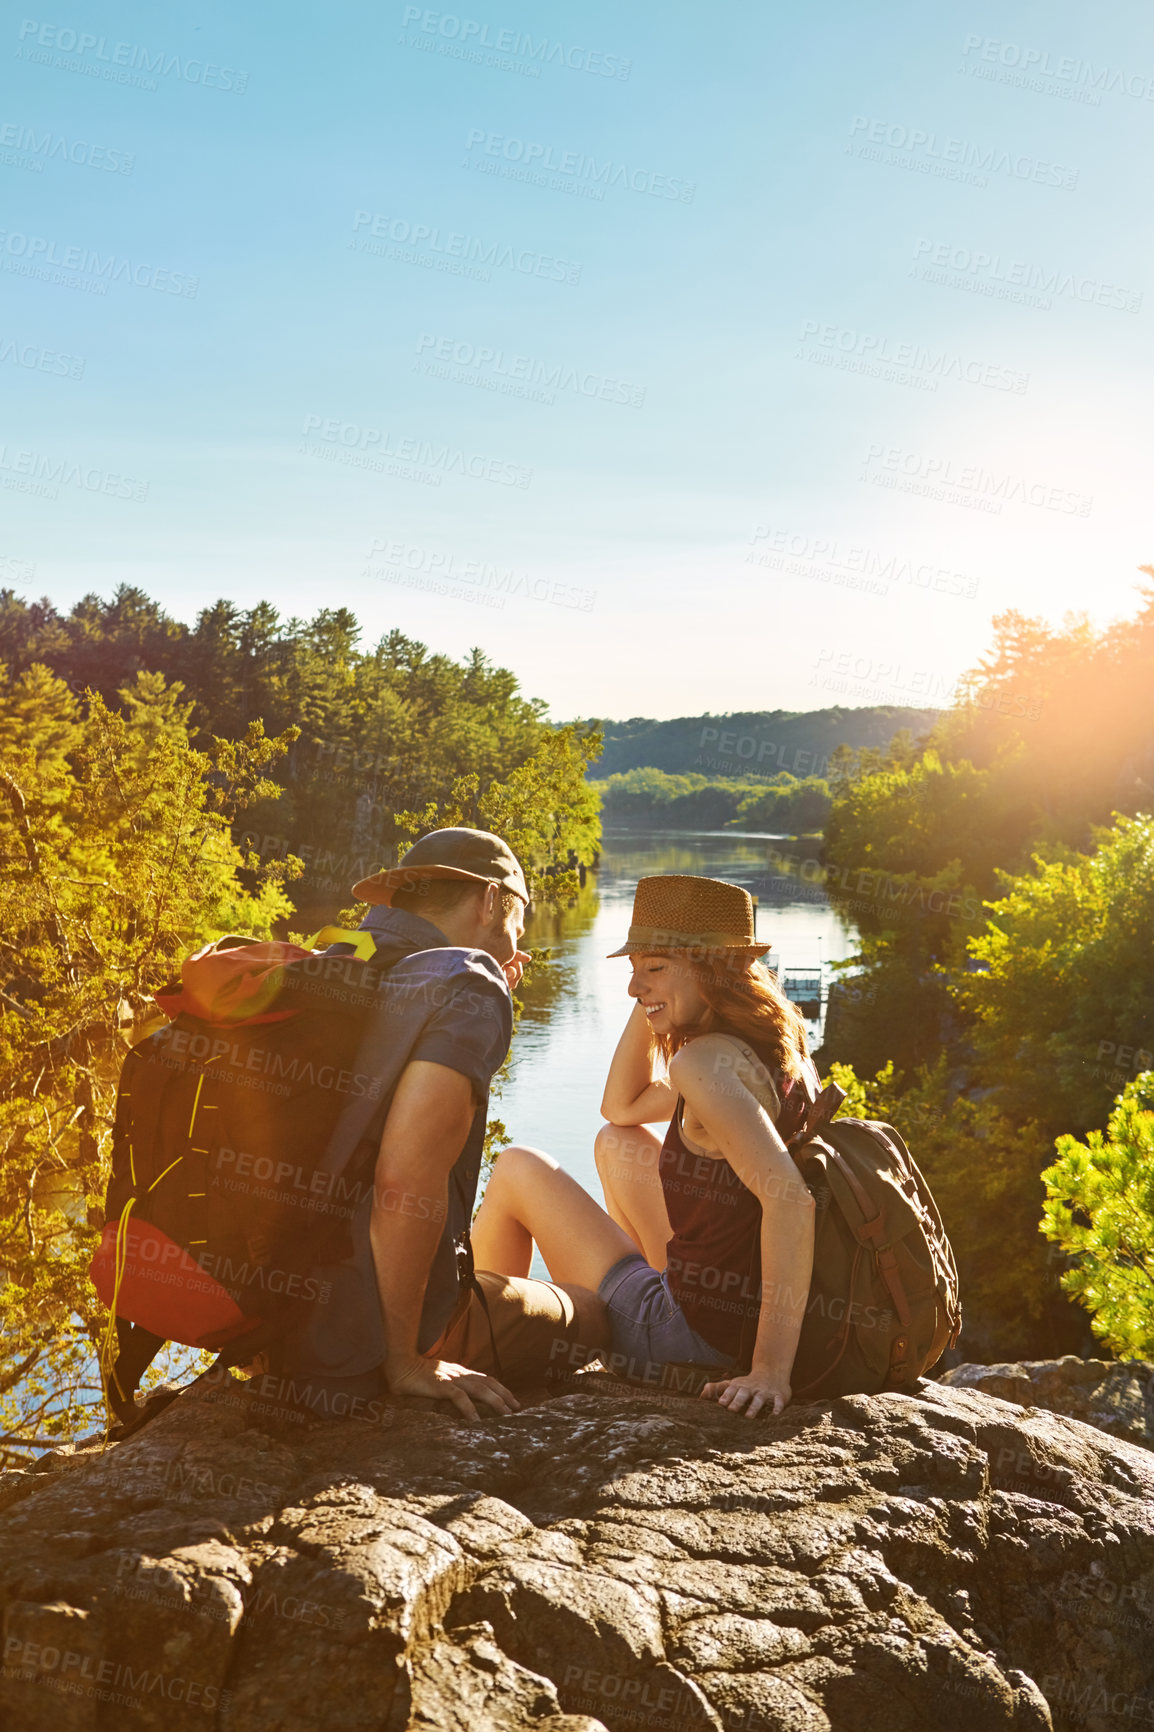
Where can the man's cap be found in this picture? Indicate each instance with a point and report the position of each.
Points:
(678, 911)
(477, 856)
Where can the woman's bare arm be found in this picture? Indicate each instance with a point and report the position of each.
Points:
(743, 1132)
(633, 1095)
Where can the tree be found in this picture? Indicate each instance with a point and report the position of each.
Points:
(1057, 1002)
(381, 730)
(1099, 1209)
(115, 859)
(544, 809)
(1062, 995)
(780, 802)
(794, 807)
(1053, 732)
(1034, 997)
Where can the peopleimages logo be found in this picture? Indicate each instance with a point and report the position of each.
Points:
(41, 360)
(372, 447)
(884, 357)
(1015, 279)
(829, 560)
(40, 256)
(49, 44)
(39, 473)
(573, 166)
(518, 375)
(470, 35)
(42, 147)
(1037, 63)
(448, 250)
(991, 486)
(448, 568)
(73, 1672)
(931, 153)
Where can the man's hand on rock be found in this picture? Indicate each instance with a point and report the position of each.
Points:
(441, 1380)
(750, 1394)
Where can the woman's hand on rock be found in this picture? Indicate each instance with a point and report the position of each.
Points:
(755, 1391)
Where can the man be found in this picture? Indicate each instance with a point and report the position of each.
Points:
(404, 1312)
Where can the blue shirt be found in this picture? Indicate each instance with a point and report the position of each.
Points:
(464, 1012)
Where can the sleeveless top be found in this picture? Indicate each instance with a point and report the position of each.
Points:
(713, 1260)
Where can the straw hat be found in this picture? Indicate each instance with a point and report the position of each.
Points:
(676, 911)
(477, 856)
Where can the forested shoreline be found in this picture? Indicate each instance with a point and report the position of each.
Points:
(753, 744)
(780, 804)
(1001, 874)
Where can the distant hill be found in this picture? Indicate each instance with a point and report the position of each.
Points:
(752, 741)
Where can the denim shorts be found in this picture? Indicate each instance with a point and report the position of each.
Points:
(649, 1327)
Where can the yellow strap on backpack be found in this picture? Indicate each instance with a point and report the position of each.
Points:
(363, 943)
(108, 1346)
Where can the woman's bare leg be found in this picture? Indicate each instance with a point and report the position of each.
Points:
(627, 1164)
(530, 1198)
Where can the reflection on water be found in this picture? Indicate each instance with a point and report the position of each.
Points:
(575, 1010)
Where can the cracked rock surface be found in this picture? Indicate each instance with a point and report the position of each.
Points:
(946, 1560)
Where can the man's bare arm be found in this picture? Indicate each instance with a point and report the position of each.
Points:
(426, 1129)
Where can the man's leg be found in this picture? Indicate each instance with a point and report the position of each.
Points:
(627, 1159)
(525, 1332)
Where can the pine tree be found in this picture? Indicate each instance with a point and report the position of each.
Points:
(1100, 1210)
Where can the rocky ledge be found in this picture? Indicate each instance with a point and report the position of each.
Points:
(1116, 1396)
(946, 1560)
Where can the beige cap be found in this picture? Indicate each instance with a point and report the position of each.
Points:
(474, 855)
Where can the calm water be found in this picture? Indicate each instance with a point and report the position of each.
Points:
(575, 1011)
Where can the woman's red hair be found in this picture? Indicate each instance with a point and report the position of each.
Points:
(743, 999)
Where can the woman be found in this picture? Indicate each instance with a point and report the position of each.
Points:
(712, 1046)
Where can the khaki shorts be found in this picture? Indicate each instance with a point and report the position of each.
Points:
(531, 1328)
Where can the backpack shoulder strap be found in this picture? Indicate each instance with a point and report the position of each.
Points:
(814, 1114)
(136, 1348)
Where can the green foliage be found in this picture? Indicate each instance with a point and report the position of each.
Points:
(779, 803)
(1099, 1209)
(1066, 979)
(863, 1100)
(115, 859)
(1034, 993)
(670, 802)
(1054, 733)
(791, 807)
(918, 839)
(802, 742)
(384, 733)
(544, 808)
(654, 787)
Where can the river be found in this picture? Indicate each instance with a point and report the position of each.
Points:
(574, 1010)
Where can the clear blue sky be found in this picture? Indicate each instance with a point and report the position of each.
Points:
(870, 280)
